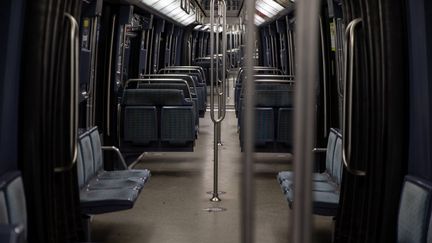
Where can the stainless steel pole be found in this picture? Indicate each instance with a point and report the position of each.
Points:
(248, 200)
(304, 117)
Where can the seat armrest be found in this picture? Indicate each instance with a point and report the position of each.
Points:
(12, 233)
(319, 150)
(119, 155)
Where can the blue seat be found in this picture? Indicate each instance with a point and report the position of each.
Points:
(414, 224)
(107, 200)
(140, 124)
(326, 186)
(285, 126)
(174, 116)
(100, 193)
(264, 125)
(89, 180)
(141, 175)
(177, 125)
(13, 212)
(331, 143)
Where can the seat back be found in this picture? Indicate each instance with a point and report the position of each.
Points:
(153, 97)
(331, 142)
(337, 161)
(167, 85)
(414, 211)
(96, 149)
(285, 126)
(274, 98)
(13, 209)
(264, 125)
(140, 124)
(80, 168)
(87, 156)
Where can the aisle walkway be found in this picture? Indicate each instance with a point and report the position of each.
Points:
(171, 206)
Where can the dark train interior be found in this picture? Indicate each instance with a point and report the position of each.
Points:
(192, 121)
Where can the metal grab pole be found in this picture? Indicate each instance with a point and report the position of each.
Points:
(248, 199)
(219, 119)
(224, 51)
(217, 73)
(304, 116)
(222, 94)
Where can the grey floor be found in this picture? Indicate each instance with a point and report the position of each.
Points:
(171, 208)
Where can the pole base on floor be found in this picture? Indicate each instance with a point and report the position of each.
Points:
(215, 198)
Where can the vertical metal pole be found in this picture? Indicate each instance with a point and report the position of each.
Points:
(216, 121)
(248, 199)
(108, 104)
(324, 68)
(217, 73)
(304, 117)
(224, 49)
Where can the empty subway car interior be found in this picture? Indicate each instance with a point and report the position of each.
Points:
(231, 121)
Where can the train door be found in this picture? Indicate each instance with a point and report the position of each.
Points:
(374, 124)
(48, 113)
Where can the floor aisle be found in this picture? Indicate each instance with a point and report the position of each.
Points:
(171, 206)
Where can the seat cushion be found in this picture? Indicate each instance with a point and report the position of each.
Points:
(289, 175)
(317, 186)
(129, 183)
(142, 175)
(105, 201)
(324, 203)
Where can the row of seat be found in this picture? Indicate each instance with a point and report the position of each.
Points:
(274, 113)
(104, 191)
(414, 223)
(157, 115)
(197, 87)
(100, 191)
(204, 62)
(326, 185)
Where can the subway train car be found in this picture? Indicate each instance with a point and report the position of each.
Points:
(195, 121)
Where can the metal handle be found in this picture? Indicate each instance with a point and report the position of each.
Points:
(212, 57)
(118, 153)
(347, 123)
(324, 68)
(74, 80)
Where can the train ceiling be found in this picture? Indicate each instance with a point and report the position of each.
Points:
(186, 12)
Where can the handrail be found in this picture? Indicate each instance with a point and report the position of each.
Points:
(123, 53)
(160, 79)
(177, 76)
(108, 118)
(185, 68)
(273, 76)
(118, 153)
(212, 115)
(324, 68)
(347, 123)
(74, 78)
(221, 99)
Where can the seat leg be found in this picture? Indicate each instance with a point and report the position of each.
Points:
(333, 229)
(87, 227)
